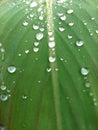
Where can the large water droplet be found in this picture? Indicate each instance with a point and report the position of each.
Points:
(79, 43)
(52, 59)
(11, 69)
(3, 97)
(84, 71)
(33, 4)
(39, 36)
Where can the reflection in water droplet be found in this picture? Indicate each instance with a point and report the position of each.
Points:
(3, 97)
(69, 36)
(11, 69)
(39, 36)
(79, 43)
(84, 71)
(70, 11)
(25, 23)
(52, 59)
(33, 4)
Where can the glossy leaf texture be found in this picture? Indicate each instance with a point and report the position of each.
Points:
(49, 65)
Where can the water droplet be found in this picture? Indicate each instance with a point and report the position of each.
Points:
(70, 11)
(26, 51)
(35, 27)
(36, 43)
(3, 97)
(51, 44)
(41, 29)
(35, 49)
(41, 17)
(51, 38)
(0, 44)
(25, 23)
(39, 36)
(19, 54)
(71, 24)
(79, 43)
(24, 97)
(63, 17)
(3, 87)
(48, 69)
(92, 18)
(84, 71)
(87, 84)
(61, 29)
(52, 59)
(97, 31)
(33, 4)
(11, 69)
(50, 33)
(2, 50)
(91, 94)
(31, 15)
(69, 36)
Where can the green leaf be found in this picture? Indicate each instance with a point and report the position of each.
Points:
(49, 65)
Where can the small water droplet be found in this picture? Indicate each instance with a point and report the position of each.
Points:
(36, 43)
(84, 71)
(50, 33)
(39, 36)
(92, 18)
(24, 97)
(35, 27)
(2, 50)
(11, 69)
(87, 84)
(41, 17)
(3, 87)
(3, 97)
(25, 23)
(35, 49)
(33, 4)
(41, 29)
(0, 44)
(63, 17)
(52, 59)
(70, 11)
(91, 94)
(79, 43)
(61, 29)
(69, 36)
(51, 44)
(51, 38)
(31, 15)
(71, 23)
(48, 69)
(97, 31)
(19, 54)
(26, 51)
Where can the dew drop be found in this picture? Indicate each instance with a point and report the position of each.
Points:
(50, 33)
(97, 31)
(2, 50)
(25, 23)
(84, 71)
(63, 17)
(0, 44)
(35, 27)
(69, 36)
(31, 15)
(33, 4)
(11, 69)
(71, 24)
(48, 69)
(61, 29)
(70, 11)
(87, 84)
(27, 51)
(35, 49)
(79, 43)
(39, 36)
(51, 44)
(41, 17)
(3, 87)
(52, 59)
(36, 43)
(24, 97)
(3, 97)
